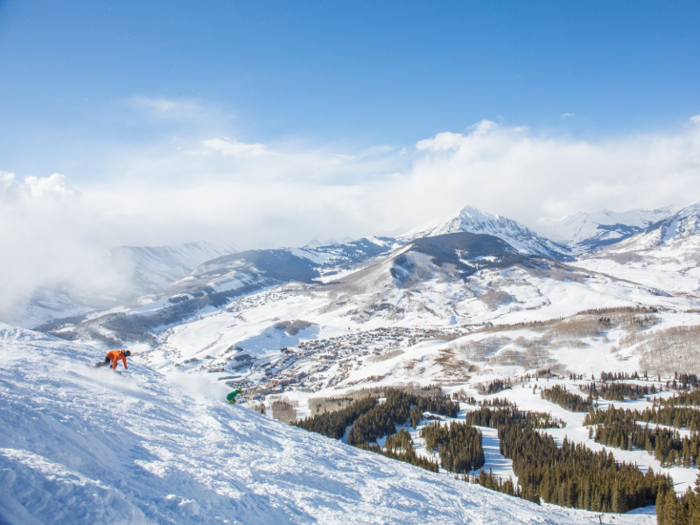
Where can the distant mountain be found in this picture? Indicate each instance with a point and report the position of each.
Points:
(151, 268)
(584, 232)
(215, 282)
(681, 227)
(473, 220)
(451, 257)
(118, 278)
(275, 266)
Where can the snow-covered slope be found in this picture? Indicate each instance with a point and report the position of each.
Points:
(587, 231)
(80, 445)
(473, 220)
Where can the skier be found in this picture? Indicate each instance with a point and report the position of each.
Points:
(113, 357)
(231, 398)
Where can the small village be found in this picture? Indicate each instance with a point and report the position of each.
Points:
(323, 363)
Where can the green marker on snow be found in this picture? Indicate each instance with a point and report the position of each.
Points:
(231, 398)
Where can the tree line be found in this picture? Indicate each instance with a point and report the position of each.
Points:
(493, 482)
(486, 417)
(369, 420)
(617, 376)
(669, 415)
(458, 445)
(496, 402)
(679, 510)
(568, 400)
(681, 399)
(495, 386)
(574, 476)
(686, 381)
(400, 446)
(397, 409)
(333, 424)
(571, 475)
(617, 427)
(618, 391)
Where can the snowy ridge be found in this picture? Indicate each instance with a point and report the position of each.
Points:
(586, 231)
(473, 220)
(349, 251)
(82, 445)
(674, 230)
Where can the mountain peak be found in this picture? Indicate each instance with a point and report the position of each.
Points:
(473, 220)
(475, 213)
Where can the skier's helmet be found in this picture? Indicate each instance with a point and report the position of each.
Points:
(128, 353)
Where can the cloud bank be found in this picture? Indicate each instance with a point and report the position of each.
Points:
(288, 192)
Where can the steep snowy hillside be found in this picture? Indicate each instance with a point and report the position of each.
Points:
(80, 445)
(335, 256)
(473, 220)
(584, 232)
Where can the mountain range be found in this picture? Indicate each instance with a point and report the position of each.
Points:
(585, 232)
(174, 283)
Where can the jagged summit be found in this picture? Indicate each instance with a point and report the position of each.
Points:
(473, 220)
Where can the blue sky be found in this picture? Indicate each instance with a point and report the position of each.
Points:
(362, 73)
(271, 123)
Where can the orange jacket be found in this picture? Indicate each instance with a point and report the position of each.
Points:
(115, 356)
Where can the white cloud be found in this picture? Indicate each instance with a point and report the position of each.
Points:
(57, 186)
(233, 148)
(169, 109)
(567, 115)
(695, 119)
(47, 233)
(288, 193)
(527, 176)
(442, 142)
(10, 189)
(447, 141)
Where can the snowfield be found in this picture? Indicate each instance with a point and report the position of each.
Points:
(81, 445)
